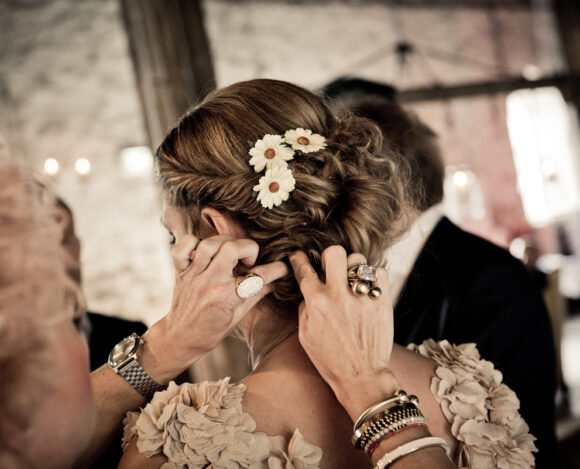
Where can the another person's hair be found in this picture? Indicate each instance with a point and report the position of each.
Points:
(351, 193)
(404, 132)
(357, 86)
(35, 294)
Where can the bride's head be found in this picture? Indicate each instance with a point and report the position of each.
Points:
(341, 188)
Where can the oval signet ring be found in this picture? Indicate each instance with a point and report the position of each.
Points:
(249, 286)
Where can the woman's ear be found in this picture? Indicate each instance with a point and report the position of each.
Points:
(216, 222)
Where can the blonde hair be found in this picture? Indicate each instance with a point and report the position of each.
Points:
(35, 294)
(350, 193)
(410, 137)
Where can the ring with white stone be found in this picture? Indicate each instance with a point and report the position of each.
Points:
(361, 278)
(249, 285)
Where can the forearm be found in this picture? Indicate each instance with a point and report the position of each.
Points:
(114, 397)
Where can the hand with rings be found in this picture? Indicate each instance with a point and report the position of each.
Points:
(346, 330)
(216, 285)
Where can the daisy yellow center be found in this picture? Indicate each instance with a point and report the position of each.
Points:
(303, 141)
(274, 187)
(270, 153)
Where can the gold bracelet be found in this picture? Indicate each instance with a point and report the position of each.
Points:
(392, 418)
(400, 397)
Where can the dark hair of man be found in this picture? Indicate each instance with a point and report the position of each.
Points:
(403, 131)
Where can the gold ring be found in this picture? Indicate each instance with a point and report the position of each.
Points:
(360, 287)
(362, 272)
(361, 279)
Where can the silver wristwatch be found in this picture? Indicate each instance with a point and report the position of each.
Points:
(123, 359)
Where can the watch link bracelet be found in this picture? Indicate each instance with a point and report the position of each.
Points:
(123, 359)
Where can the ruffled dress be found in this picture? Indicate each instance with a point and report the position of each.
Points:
(203, 425)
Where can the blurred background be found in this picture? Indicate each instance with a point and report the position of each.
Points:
(89, 87)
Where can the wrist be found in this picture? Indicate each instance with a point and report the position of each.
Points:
(361, 392)
(161, 357)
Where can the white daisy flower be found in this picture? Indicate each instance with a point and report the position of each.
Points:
(304, 140)
(270, 151)
(275, 186)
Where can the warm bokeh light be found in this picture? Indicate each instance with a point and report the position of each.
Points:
(463, 197)
(548, 167)
(531, 72)
(136, 161)
(51, 166)
(544, 139)
(460, 179)
(518, 247)
(83, 166)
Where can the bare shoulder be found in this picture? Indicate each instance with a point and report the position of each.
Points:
(133, 459)
(295, 397)
(277, 402)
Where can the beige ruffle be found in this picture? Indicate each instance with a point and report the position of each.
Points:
(482, 411)
(203, 425)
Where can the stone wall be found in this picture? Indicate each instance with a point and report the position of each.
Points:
(68, 92)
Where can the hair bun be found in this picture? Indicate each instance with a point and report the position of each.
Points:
(349, 193)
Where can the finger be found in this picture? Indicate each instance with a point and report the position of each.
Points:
(272, 271)
(305, 274)
(356, 258)
(302, 322)
(334, 262)
(234, 251)
(206, 250)
(182, 252)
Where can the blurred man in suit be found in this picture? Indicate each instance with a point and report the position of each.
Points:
(450, 284)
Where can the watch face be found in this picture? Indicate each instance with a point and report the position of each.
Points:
(123, 350)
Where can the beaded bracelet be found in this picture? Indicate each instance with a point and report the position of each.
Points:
(391, 419)
(383, 435)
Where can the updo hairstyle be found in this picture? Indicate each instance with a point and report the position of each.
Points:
(351, 193)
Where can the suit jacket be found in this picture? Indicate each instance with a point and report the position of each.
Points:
(105, 333)
(463, 288)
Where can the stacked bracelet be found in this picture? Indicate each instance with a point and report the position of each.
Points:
(390, 420)
(385, 419)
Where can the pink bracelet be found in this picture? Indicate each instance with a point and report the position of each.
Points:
(375, 444)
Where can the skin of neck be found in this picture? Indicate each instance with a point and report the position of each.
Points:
(265, 326)
(263, 331)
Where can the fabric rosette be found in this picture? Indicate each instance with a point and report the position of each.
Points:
(482, 411)
(203, 425)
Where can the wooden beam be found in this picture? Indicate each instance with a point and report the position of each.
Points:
(568, 84)
(427, 4)
(567, 13)
(171, 58)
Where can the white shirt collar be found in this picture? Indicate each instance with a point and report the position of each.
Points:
(402, 255)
